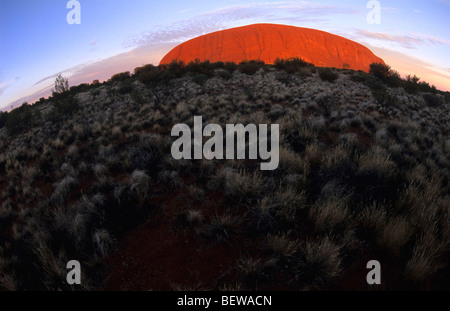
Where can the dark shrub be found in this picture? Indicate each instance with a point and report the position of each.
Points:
(120, 76)
(218, 64)
(327, 74)
(126, 86)
(176, 69)
(369, 80)
(83, 87)
(200, 78)
(291, 65)
(65, 106)
(373, 185)
(205, 68)
(230, 66)
(225, 74)
(432, 100)
(394, 79)
(147, 74)
(384, 98)
(380, 70)
(250, 67)
(19, 119)
(145, 156)
(412, 84)
(3, 118)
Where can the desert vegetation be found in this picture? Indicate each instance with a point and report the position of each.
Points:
(364, 173)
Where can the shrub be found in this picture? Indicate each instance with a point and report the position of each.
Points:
(329, 214)
(63, 190)
(83, 87)
(384, 98)
(386, 74)
(19, 119)
(120, 76)
(319, 263)
(126, 86)
(147, 74)
(394, 79)
(432, 100)
(327, 74)
(230, 66)
(263, 215)
(282, 245)
(250, 67)
(222, 227)
(205, 68)
(176, 69)
(103, 243)
(145, 157)
(380, 70)
(3, 118)
(140, 184)
(200, 78)
(61, 84)
(225, 74)
(291, 65)
(369, 80)
(65, 106)
(395, 234)
(190, 218)
(412, 84)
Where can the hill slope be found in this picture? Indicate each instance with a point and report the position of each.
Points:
(364, 174)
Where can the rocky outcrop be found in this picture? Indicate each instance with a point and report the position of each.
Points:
(270, 41)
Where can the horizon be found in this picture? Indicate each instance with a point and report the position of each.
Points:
(411, 37)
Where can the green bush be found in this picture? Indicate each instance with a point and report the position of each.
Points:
(327, 74)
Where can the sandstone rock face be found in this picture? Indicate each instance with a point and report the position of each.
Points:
(268, 41)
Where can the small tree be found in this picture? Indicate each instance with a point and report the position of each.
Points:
(380, 70)
(61, 84)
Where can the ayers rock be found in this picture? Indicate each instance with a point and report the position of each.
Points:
(267, 42)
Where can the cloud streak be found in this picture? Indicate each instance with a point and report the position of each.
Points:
(231, 16)
(407, 41)
(6, 84)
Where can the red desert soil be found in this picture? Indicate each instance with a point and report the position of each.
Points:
(267, 42)
(159, 255)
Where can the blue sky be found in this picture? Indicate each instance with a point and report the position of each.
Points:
(37, 43)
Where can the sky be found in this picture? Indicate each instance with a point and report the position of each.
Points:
(37, 43)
